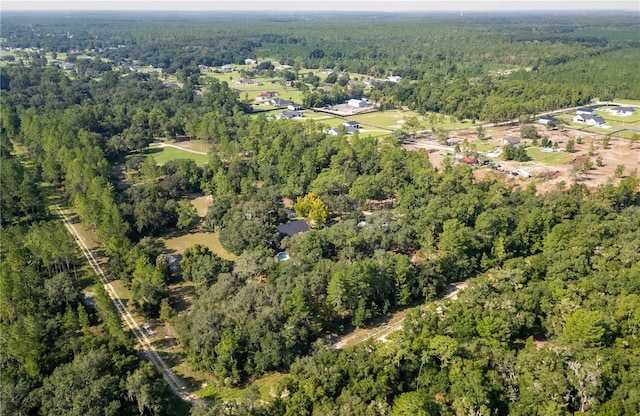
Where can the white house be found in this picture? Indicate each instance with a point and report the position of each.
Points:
(394, 78)
(622, 111)
(355, 103)
(589, 119)
(547, 119)
(250, 61)
(227, 68)
(352, 124)
(586, 111)
(289, 115)
(295, 107)
(333, 131)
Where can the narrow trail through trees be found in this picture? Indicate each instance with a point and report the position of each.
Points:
(380, 332)
(174, 382)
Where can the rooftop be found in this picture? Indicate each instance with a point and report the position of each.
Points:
(292, 228)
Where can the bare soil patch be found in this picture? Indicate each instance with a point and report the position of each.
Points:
(547, 176)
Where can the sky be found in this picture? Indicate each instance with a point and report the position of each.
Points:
(321, 5)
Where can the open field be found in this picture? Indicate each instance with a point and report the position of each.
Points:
(165, 153)
(251, 91)
(628, 102)
(393, 119)
(202, 205)
(176, 243)
(550, 158)
(195, 145)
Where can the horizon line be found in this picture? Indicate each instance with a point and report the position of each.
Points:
(456, 10)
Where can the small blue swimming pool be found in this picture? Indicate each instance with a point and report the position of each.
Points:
(282, 256)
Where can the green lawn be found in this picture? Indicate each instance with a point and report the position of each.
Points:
(619, 120)
(385, 119)
(482, 146)
(551, 158)
(165, 154)
(597, 130)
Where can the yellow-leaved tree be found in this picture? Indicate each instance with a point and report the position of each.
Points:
(311, 208)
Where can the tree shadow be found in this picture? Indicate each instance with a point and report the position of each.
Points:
(151, 151)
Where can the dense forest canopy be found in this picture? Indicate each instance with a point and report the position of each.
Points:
(548, 324)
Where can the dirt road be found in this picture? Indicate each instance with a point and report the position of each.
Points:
(380, 332)
(174, 382)
(161, 144)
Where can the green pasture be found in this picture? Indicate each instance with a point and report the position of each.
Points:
(551, 158)
(164, 154)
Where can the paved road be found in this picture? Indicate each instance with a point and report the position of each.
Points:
(174, 382)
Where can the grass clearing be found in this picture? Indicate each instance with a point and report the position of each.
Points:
(251, 91)
(385, 119)
(625, 101)
(482, 146)
(202, 204)
(267, 386)
(164, 154)
(551, 158)
(197, 145)
(178, 242)
(626, 134)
